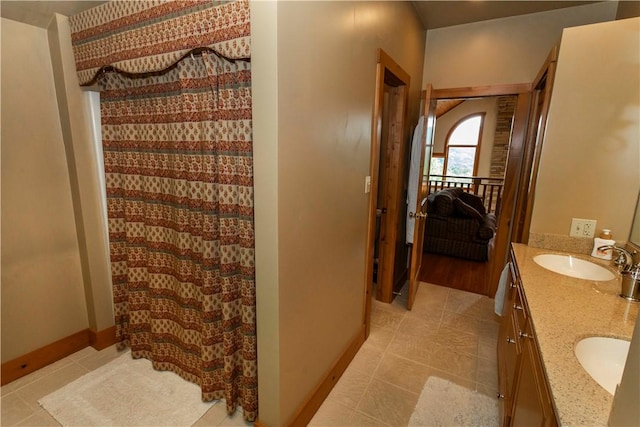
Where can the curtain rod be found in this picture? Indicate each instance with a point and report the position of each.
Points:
(198, 51)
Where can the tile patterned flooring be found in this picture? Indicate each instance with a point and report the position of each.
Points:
(449, 333)
(19, 402)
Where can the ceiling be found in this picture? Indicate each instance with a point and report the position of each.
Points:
(434, 14)
(438, 14)
(39, 13)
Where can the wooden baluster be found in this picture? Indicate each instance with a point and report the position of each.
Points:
(491, 198)
(488, 189)
(483, 195)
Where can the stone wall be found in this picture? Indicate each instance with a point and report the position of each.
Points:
(506, 108)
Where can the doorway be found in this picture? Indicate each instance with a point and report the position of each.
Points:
(497, 188)
(387, 253)
(389, 261)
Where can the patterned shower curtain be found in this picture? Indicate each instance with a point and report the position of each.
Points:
(179, 173)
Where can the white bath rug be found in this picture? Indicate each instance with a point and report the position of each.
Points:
(127, 392)
(446, 404)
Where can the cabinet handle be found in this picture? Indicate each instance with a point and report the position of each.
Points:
(512, 284)
(499, 395)
(523, 334)
(517, 307)
(510, 341)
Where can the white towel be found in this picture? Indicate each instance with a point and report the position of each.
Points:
(415, 173)
(502, 287)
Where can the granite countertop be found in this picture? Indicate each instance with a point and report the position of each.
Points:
(563, 311)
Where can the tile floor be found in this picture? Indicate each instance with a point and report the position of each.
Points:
(449, 333)
(19, 402)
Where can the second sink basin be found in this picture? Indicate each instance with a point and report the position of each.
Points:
(604, 359)
(573, 267)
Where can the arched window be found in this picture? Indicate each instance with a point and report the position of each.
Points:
(463, 146)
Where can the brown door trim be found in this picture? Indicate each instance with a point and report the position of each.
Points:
(541, 98)
(509, 192)
(390, 73)
(480, 91)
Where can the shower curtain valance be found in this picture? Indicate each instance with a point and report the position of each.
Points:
(151, 35)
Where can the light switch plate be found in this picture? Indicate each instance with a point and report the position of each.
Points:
(367, 184)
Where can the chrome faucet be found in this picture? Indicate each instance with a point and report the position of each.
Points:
(624, 259)
(629, 272)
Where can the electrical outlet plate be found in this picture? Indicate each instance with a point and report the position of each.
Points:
(583, 227)
(589, 228)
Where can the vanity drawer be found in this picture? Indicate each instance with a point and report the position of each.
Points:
(519, 312)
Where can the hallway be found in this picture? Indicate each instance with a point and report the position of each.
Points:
(449, 333)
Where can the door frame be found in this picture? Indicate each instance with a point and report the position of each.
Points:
(386, 66)
(542, 88)
(514, 163)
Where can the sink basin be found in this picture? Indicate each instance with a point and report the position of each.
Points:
(573, 267)
(603, 358)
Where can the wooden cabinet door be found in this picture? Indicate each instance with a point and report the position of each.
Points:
(508, 357)
(532, 406)
(522, 381)
(512, 351)
(508, 349)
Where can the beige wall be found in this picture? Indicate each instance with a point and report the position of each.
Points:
(42, 290)
(502, 51)
(326, 62)
(489, 106)
(79, 220)
(264, 94)
(86, 176)
(591, 155)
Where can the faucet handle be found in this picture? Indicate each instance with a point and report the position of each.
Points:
(621, 260)
(624, 260)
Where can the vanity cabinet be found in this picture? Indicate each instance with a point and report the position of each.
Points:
(522, 381)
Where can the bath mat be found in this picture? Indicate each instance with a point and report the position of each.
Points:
(446, 404)
(127, 392)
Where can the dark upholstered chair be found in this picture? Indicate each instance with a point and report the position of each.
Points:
(458, 225)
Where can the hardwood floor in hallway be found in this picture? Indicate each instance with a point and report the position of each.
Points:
(456, 273)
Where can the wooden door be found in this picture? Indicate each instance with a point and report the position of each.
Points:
(503, 237)
(388, 149)
(419, 210)
(390, 190)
